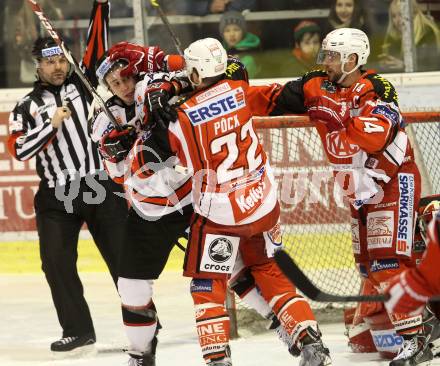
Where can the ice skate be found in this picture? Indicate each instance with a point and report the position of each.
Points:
(141, 359)
(224, 362)
(312, 350)
(144, 358)
(67, 344)
(431, 328)
(414, 351)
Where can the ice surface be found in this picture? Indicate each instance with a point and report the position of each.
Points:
(28, 325)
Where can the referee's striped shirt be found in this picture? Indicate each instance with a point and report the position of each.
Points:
(63, 153)
(67, 152)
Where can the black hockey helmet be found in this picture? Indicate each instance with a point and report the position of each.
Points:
(45, 47)
(104, 66)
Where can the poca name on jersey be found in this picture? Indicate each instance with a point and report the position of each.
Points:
(219, 106)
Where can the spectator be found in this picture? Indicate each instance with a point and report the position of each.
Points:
(237, 41)
(21, 28)
(426, 40)
(205, 7)
(307, 35)
(348, 14)
(301, 59)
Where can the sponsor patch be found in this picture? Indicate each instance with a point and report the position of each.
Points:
(387, 340)
(355, 236)
(103, 69)
(201, 285)
(217, 107)
(371, 163)
(405, 216)
(51, 51)
(219, 253)
(380, 225)
(388, 113)
(210, 93)
(273, 240)
(384, 264)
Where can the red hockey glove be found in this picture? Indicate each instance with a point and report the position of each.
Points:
(406, 293)
(140, 59)
(157, 96)
(326, 110)
(115, 145)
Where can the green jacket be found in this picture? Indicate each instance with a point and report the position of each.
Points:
(245, 50)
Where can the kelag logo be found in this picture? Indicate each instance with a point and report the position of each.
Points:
(217, 107)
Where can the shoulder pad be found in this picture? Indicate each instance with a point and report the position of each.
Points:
(383, 88)
(313, 74)
(236, 70)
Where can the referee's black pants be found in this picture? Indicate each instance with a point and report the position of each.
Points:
(58, 232)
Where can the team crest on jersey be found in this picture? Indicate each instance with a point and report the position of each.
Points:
(340, 148)
(217, 107)
(328, 86)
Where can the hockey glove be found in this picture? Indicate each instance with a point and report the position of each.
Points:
(115, 145)
(157, 96)
(140, 59)
(406, 293)
(326, 110)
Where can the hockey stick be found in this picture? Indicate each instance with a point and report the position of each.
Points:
(299, 279)
(155, 4)
(55, 36)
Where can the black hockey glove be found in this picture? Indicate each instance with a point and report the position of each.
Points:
(115, 145)
(157, 97)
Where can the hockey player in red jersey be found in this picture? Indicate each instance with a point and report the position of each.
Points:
(357, 116)
(358, 320)
(115, 147)
(234, 198)
(411, 289)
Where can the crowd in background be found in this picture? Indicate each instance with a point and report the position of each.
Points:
(269, 48)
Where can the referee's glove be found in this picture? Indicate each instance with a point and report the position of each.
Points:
(115, 145)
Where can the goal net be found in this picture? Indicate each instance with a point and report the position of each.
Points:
(314, 217)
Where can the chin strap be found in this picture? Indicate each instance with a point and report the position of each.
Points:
(346, 73)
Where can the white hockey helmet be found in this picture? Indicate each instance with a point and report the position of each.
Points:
(345, 42)
(207, 56)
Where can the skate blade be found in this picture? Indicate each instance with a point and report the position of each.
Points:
(80, 352)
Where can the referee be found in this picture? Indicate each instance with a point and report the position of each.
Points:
(50, 123)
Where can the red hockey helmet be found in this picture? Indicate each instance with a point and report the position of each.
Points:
(427, 210)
